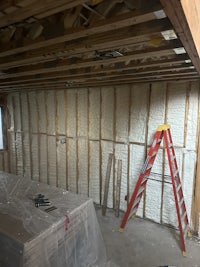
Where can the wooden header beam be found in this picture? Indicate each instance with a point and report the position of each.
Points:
(192, 13)
(174, 10)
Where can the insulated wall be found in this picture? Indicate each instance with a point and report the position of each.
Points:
(64, 138)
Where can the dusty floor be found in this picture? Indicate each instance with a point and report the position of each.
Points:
(145, 244)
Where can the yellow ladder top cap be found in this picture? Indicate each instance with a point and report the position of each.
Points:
(163, 127)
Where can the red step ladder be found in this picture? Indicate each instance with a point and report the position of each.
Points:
(163, 131)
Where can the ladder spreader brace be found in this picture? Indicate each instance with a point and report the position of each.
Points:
(163, 131)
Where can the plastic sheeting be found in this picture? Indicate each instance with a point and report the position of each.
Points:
(29, 236)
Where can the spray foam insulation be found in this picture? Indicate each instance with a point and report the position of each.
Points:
(137, 158)
(26, 155)
(139, 111)
(156, 109)
(168, 195)
(52, 166)
(107, 119)
(10, 112)
(122, 113)
(96, 122)
(154, 189)
(191, 133)
(107, 148)
(17, 118)
(169, 215)
(188, 180)
(33, 112)
(82, 113)
(157, 170)
(43, 158)
(41, 100)
(153, 200)
(51, 113)
(176, 112)
(61, 112)
(71, 164)
(12, 148)
(19, 154)
(24, 112)
(83, 166)
(94, 114)
(61, 164)
(94, 171)
(35, 157)
(71, 113)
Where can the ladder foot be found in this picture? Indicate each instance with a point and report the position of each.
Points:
(121, 230)
(184, 254)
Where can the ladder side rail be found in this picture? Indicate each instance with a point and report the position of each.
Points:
(172, 149)
(175, 193)
(126, 216)
(144, 173)
(177, 178)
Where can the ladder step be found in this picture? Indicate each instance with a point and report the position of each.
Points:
(154, 143)
(149, 166)
(183, 216)
(175, 173)
(154, 153)
(178, 188)
(140, 190)
(136, 202)
(173, 158)
(159, 140)
(144, 180)
(181, 202)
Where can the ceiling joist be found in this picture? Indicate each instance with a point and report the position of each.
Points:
(69, 44)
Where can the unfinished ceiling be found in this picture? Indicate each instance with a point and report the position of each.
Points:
(63, 44)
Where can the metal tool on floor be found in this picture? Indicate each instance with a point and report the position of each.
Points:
(41, 201)
(163, 132)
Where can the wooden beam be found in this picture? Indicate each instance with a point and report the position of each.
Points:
(64, 50)
(112, 42)
(118, 67)
(126, 78)
(102, 83)
(114, 73)
(192, 13)
(117, 23)
(68, 64)
(175, 13)
(36, 8)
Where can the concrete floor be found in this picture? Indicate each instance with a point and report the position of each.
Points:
(145, 244)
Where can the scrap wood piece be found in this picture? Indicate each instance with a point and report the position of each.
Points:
(107, 182)
(118, 187)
